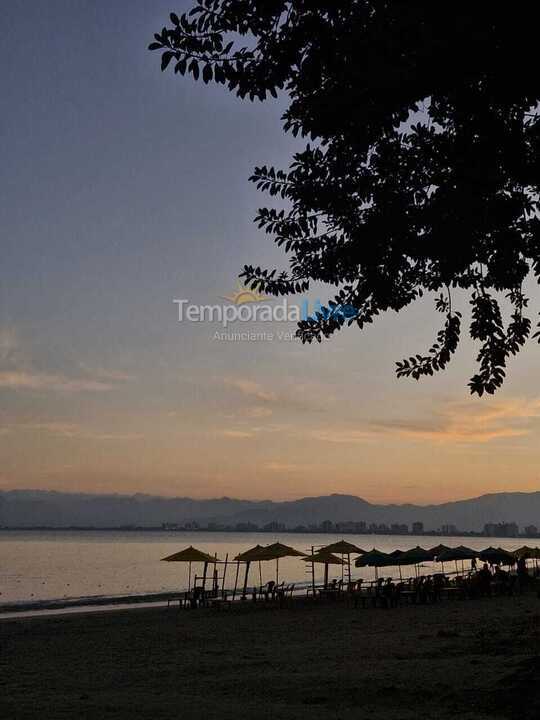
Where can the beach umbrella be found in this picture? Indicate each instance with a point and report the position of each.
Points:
(414, 556)
(191, 555)
(457, 553)
(467, 553)
(325, 558)
(526, 552)
(277, 550)
(437, 550)
(497, 556)
(376, 559)
(248, 556)
(342, 547)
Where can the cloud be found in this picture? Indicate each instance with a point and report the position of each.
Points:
(71, 431)
(468, 422)
(18, 373)
(338, 436)
(9, 346)
(24, 380)
(284, 467)
(104, 374)
(251, 389)
(451, 423)
(236, 434)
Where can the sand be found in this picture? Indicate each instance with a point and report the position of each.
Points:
(459, 659)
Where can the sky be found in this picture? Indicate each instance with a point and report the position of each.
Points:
(124, 189)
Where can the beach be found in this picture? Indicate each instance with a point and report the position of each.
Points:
(467, 659)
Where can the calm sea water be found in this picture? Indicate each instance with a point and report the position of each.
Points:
(52, 565)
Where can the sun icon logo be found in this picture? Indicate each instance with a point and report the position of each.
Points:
(243, 295)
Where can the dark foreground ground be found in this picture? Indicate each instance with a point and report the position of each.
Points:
(461, 659)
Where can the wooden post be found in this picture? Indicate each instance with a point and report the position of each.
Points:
(224, 573)
(248, 563)
(313, 571)
(204, 575)
(236, 578)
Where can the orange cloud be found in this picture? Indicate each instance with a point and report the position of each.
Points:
(469, 423)
(21, 379)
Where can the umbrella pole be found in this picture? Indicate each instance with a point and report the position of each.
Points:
(325, 575)
(400, 576)
(224, 572)
(277, 571)
(204, 576)
(260, 573)
(312, 572)
(189, 577)
(246, 577)
(236, 578)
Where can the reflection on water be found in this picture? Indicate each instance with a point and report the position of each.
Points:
(72, 564)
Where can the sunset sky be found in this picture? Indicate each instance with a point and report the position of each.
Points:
(124, 188)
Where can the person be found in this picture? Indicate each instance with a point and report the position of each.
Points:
(388, 594)
(522, 574)
(439, 582)
(484, 581)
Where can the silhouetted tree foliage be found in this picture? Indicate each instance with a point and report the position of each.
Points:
(422, 172)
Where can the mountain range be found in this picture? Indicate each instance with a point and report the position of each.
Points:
(40, 508)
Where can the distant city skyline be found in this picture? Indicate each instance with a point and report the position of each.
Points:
(125, 189)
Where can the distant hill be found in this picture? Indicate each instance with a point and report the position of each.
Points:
(27, 508)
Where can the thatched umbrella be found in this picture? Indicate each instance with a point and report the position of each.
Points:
(191, 555)
(326, 558)
(275, 551)
(457, 553)
(526, 552)
(438, 550)
(342, 547)
(248, 556)
(414, 556)
(376, 559)
(497, 556)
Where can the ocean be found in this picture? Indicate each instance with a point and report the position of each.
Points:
(60, 565)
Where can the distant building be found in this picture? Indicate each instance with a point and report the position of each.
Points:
(399, 529)
(418, 528)
(531, 531)
(274, 526)
(246, 527)
(501, 530)
(449, 530)
(351, 527)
